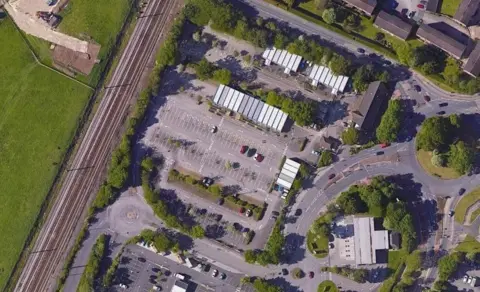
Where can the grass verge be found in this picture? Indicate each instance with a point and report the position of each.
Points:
(469, 244)
(449, 7)
(33, 100)
(425, 160)
(466, 201)
(327, 286)
(474, 215)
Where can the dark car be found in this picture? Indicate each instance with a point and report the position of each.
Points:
(461, 191)
(284, 272)
(417, 88)
(153, 281)
(332, 175)
(275, 213)
(380, 153)
(441, 113)
(243, 149)
(140, 259)
(443, 104)
(426, 98)
(387, 62)
(207, 181)
(251, 152)
(372, 55)
(311, 274)
(361, 51)
(220, 201)
(298, 212)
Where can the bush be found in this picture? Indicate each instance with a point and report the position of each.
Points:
(297, 273)
(350, 136)
(93, 265)
(326, 158)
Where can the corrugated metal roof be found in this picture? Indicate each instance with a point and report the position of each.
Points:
(289, 61)
(287, 175)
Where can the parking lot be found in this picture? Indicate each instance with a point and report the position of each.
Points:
(188, 134)
(140, 269)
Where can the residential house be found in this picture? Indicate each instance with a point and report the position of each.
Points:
(468, 12)
(366, 6)
(367, 108)
(393, 25)
(437, 38)
(472, 66)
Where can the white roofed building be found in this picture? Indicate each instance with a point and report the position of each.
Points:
(323, 75)
(283, 58)
(180, 286)
(370, 239)
(287, 175)
(250, 107)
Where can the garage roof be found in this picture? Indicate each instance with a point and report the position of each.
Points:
(289, 61)
(250, 107)
(287, 175)
(180, 286)
(323, 75)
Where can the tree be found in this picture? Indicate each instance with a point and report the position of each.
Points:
(414, 261)
(262, 285)
(452, 71)
(471, 256)
(390, 123)
(197, 36)
(104, 196)
(329, 15)
(326, 158)
(434, 134)
(162, 242)
(280, 41)
(350, 136)
(384, 76)
(350, 202)
(447, 266)
(461, 157)
(296, 273)
(339, 65)
(440, 285)
(264, 258)
(352, 22)
(204, 69)
(404, 53)
(223, 76)
(290, 3)
(259, 21)
(429, 68)
(302, 112)
(320, 4)
(197, 231)
(250, 256)
(438, 159)
(362, 77)
(393, 215)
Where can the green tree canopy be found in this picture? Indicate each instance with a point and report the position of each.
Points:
(326, 158)
(329, 15)
(461, 157)
(162, 242)
(262, 285)
(350, 136)
(435, 133)
(390, 123)
(339, 65)
(223, 76)
(204, 69)
(250, 256)
(197, 231)
(351, 203)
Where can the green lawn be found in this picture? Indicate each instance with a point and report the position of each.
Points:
(470, 244)
(395, 259)
(466, 201)
(327, 286)
(449, 7)
(474, 215)
(39, 114)
(97, 20)
(425, 160)
(318, 244)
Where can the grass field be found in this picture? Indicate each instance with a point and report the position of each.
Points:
(327, 286)
(470, 244)
(425, 160)
(449, 7)
(97, 20)
(466, 201)
(39, 114)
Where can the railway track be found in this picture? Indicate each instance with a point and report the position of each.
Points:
(81, 181)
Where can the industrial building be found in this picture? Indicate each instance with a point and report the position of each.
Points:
(371, 241)
(250, 107)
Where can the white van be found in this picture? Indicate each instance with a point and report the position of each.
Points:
(180, 276)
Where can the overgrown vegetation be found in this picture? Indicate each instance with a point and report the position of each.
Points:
(357, 275)
(326, 158)
(206, 70)
(112, 269)
(390, 124)
(350, 136)
(92, 268)
(261, 285)
(404, 272)
(441, 135)
(302, 112)
(273, 249)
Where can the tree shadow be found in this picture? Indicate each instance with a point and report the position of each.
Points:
(284, 284)
(231, 190)
(411, 120)
(215, 231)
(293, 252)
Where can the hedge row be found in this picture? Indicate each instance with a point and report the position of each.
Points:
(93, 265)
(217, 191)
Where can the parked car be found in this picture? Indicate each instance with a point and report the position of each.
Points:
(284, 272)
(251, 152)
(361, 51)
(332, 175)
(215, 273)
(311, 274)
(416, 87)
(214, 129)
(443, 104)
(421, 6)
(372, 55)
(275, 213)
(411, 14)
(465, 279)
(387, 62)
(207, 181)
(179, 276)
(243, 149)
(223, 276)
(123, 286)
(157, 288)
(140, 259)
(258, 157)
(241, 210)
(298, 212)
(315, 152)
(441, 113)
(451, 213)
(426, 98)
(461, 191)
(380, 153)
(248, 213)
(384, 145)
(220, 201)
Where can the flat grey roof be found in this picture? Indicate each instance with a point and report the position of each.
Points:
(466, 10)
(366, 5)
(287, 175)
(368, 240)
(473, 63)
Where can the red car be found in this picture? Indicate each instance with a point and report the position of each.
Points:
(311, 274)
(243, 149)
(332, 175)
(421, 6)
(384, 145)
(258, 157)
(241, 210)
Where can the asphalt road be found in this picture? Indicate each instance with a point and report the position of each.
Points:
(81, 181)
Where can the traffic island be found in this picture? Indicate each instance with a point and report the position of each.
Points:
(424, 158)
(327, 286)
